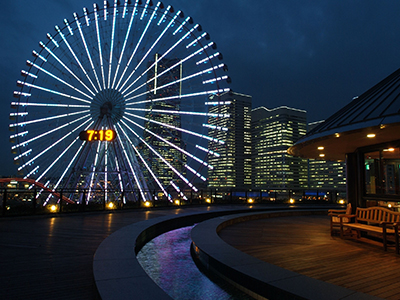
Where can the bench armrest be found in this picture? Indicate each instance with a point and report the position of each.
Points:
(346, 216)
(333, 212)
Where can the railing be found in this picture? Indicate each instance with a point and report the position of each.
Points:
(14, 202)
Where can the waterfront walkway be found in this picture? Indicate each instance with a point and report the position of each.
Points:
(52, 257)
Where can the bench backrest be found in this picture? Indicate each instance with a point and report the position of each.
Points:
(376, 214)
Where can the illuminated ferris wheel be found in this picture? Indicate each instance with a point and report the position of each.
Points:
(118, 99)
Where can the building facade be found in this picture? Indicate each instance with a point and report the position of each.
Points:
(273, 132)
(155, 115)
(232, 166)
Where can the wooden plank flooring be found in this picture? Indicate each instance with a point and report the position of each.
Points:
(303, 244)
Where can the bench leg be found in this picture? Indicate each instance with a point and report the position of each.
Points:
(384, 238)
(396, 238)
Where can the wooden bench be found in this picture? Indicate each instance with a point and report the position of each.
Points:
(378, 220)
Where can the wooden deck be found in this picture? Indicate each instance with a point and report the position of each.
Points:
(304, 245)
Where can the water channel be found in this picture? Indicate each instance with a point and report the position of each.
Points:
(167, 260)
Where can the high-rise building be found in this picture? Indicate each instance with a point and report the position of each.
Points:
(324, 174)
(155, 115)
(232, 168)
(273, 132)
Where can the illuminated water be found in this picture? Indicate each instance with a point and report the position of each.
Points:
(168, 262)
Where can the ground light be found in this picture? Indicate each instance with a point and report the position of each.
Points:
(110, 205)
(291, 200)
(53, 208)
(341, 201)
(177, 202)
(250, 200)
(147, 204)
(208, 200)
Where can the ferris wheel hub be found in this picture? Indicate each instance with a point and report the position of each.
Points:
(110, 103)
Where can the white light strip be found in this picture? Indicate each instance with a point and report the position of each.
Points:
(53, 40)
(65, 67)
(73, 52)
(144, 10)
(178, 190)
(164, 14)
(25, 73)
(171, 144)
(47, 133)
(85, 12)
(26, 153)
(207, 59)
(196, 40)
(93, 171)
(180, 112)
(18, 134)
(148, 52)
(215, 79)
(218, 103)
(125, 9)
(18, 94)
(88, 53)
(165, 54)
(181, 96)
(121, 186)
(50, 147)
(208, 151)
(180, 26)
(215, 127)
(195, 173)
(51, 91)
(99, 43)
(125, 41)
(163, 159)
(112, 44)
(106, 172)
(69, 27)
(134, 52)
(21, 114)
(130, 164)
(178, 128)
(31, 172)
(175, 82)
(50, 105)
(145, 164)
(105, 9)
(48, 118)
(35, 54)
(57, 78)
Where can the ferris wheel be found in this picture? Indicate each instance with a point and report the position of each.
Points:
(120, 98)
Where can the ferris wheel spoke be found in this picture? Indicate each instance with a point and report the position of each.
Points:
(65, 67)
(73, 53)
(137, 46)
(24, 143)
(48, 118)
(23, 83)
(144, 163)
(96, 15)
(208, 151)
(180, 112)
(164, 55)
(57, 159)
(48, 148)
(112, 44)
(87, 48)
(171, 144)
(49, 105)
(200, 73)
(131, 167)
(126, 38)
(184, 179)
(57, 78)
(152, 47)
(93, 172)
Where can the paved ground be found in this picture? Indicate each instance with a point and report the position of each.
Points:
(51, 257)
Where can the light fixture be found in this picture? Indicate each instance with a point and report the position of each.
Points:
(321, 148)
(177, 202)
(291, 200)
(208, 200)
(53, 208)
(147, 203)
(371, 135)
(110, 205)
(337, 135)
(250, 200)
(321, 155)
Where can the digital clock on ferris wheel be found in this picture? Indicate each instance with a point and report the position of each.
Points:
(92, 135)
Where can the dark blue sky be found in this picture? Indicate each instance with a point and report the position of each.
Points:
(311, 55)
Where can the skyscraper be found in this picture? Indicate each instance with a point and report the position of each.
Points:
(273, 132)
(155, 115)
(232, 169)
(324, 174)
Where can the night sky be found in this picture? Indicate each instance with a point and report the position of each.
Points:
(311, 55)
